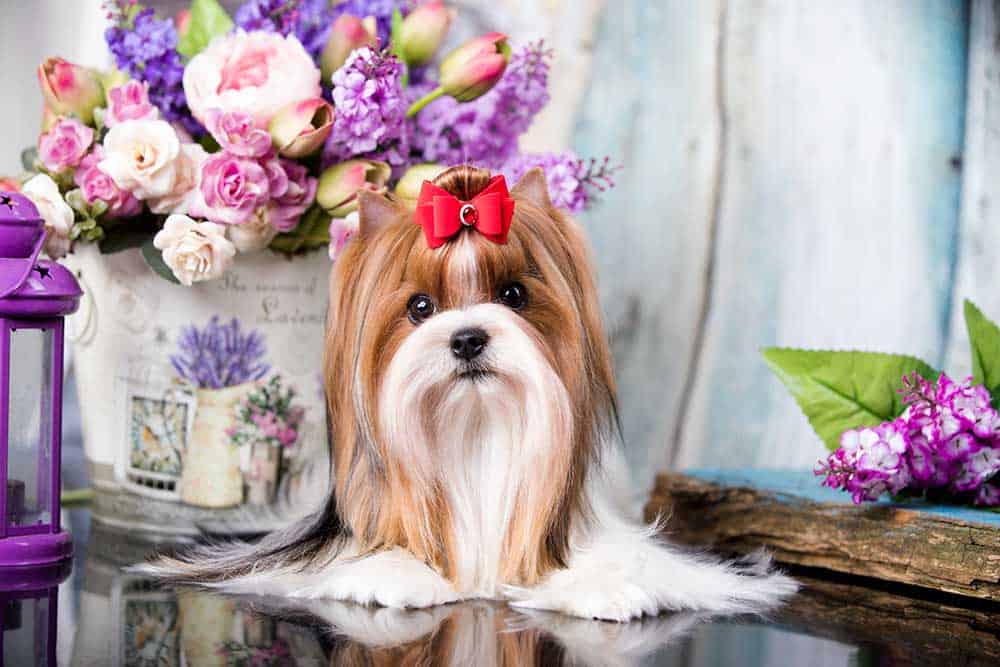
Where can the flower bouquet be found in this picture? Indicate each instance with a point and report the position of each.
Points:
(898, 427)
(218, 136)
(217, 149)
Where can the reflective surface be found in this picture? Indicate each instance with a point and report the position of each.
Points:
(105, 617)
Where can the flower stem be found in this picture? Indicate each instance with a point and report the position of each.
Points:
(424, 101)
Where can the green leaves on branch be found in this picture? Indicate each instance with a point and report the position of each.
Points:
(841, 390)
(208, 21)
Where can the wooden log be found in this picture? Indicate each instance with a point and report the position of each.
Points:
(945, 548)
(908, 630)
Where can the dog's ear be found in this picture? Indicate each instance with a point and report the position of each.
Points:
(533, 188)
(376, 210)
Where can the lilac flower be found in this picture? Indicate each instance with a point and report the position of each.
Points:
(869, 462)
(370, 110)
(572, 183)
(485, 131)
(946, 440)
(310, 20)
(219, 355)
(147, 50)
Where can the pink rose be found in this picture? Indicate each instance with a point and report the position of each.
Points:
(286, 209)
(129, 101)
(96, 185)
(255, 72)
(236, 133)
(233, 188)
(341, 231)
(64, 145)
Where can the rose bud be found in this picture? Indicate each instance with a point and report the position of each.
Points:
(347, 34)
(183, 22)
(469, 71)
(49, 119)
(408, 188)
(339, 185)
(301, 128)
(70, 89)
(422, 32)
(9, 184)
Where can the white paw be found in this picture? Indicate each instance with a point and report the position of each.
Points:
(586, 595)
(391, 578)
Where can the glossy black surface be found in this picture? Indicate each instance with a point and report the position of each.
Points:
(106, 617)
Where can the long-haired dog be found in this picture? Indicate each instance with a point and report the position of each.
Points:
(472, 411)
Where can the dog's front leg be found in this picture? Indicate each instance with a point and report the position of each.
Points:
(391, 578)
(623, 572)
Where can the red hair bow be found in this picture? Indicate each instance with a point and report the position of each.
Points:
(442, 214)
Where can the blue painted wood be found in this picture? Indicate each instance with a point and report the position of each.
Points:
(839, 206)
(796, 486)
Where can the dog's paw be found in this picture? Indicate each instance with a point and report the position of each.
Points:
(389, 578)
(586, 595)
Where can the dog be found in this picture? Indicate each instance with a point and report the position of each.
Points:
(476, 442)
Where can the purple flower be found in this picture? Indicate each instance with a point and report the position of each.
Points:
(572, 183)
(147, 50)
(219, 355)
(869, 462)
(485, 131)
(370, 110)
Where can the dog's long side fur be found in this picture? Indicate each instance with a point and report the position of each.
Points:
(447, 488)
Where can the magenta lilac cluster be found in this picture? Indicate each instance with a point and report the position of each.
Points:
(946, 441)
(571, 180)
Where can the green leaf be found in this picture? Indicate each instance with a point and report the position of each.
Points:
(312, 232)
(154, 259)
(841, 390)
(984, 341)
(208, 21)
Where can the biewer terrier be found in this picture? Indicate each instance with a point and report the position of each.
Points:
(474, 427)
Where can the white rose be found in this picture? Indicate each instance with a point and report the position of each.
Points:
(257, 73)
(141, 156)
(194, 251)
(254, 234)
(186, 195)
(58, 215)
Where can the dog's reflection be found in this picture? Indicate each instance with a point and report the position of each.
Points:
(484, 633)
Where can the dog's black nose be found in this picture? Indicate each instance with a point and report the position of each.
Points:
(469, 343)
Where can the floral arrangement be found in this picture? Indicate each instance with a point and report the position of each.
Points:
(219, 355)
(220, 135)
(896, 426)
(239, 654)
(268, 415)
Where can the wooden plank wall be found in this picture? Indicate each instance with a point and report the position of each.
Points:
(793, 177)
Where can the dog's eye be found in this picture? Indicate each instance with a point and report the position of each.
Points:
(420, 307)
(513, 295)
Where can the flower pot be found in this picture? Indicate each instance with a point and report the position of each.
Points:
(157, 447)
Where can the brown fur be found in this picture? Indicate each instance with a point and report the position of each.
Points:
(381, 500)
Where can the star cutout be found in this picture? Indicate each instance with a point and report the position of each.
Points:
(42, 271)
(6, 200)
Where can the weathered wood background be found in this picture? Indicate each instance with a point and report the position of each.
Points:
(796, 173)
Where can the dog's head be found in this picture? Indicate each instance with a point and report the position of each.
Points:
(432, 351)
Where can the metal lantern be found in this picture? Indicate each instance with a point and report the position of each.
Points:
(35, 297)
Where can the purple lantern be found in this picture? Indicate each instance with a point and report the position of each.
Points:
(35, 296)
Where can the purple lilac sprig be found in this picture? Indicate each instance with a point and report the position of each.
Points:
(485, 131)
(370, 120)
(268, 414)
(220, 355)
(145, 47)
(573, 183)
(947, 441)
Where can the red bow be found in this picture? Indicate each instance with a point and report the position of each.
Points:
(442, 214)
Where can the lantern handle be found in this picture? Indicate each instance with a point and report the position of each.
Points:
(25, 264)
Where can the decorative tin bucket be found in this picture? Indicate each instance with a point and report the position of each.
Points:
(174, 382)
